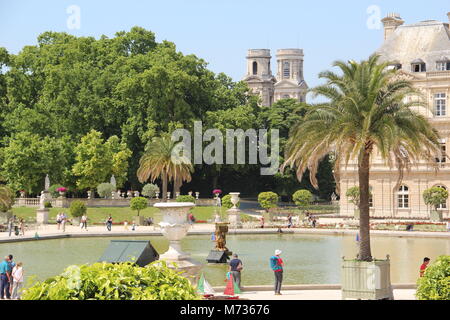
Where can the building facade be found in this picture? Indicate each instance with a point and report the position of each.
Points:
(421, 52)
(289, 81)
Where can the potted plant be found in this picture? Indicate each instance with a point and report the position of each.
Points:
(62, 191)
(138, 204)
(77, 209)
(435, 197)
(217, 192)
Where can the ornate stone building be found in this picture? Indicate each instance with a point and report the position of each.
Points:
(288, 83)
(422, 52)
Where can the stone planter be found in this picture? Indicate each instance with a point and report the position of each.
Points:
(366, 280)
(436, 215)
(42, 216)
(139, 220)
(76, 221)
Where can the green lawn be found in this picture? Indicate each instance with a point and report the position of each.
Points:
(99, 215)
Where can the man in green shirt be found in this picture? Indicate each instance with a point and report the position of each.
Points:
(5, 278)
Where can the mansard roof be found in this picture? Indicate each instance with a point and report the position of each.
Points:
(428, 41)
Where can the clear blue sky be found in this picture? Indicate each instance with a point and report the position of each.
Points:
(221, 31)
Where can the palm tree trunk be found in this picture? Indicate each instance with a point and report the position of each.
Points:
(364, 218)
(164, 187)
(176, 185)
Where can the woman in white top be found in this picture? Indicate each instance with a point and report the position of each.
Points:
(17, 275)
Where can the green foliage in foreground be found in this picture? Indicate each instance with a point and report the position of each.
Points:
(104, 281)
(302, 198)
(435, 283)
(435, 196)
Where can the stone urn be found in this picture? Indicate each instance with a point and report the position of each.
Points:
(174, 227)
(197, 194)
(168, 195)
(22, 194)
(157, 194)
(234, 214)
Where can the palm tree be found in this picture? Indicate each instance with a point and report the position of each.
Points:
(366, 112)
(162, 161)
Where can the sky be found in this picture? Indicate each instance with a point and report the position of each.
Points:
(221, 32)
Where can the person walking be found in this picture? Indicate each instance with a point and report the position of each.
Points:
(84, 222)
(109, 223)
(63, 221)
(5, 279)
(424, 266)
(17, 277)
(236, 267)
(276, 264)
(59, 220)
(22, 227)
(289, 219)
(10, 226)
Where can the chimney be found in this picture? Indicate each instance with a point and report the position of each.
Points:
(390, 23)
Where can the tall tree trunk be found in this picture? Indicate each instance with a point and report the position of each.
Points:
(164, 187)
(176, 186)
(364, 214)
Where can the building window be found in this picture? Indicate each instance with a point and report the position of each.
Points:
(440, 100)
(442, 205)
(442, 158)
(286, 96)
(255, 68)
(418, 67)
(370, 197)
(286, 69)
(403, 197)
(396, 66)
(443, 65)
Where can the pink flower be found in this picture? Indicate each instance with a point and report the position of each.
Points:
(217, 191)
(62, 189)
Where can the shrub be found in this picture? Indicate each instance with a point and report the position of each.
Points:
(53, 190)
(435, 283)
(47, 204)
(435, 196)
(150, 190)
(105, 189)
(185, 198)
(353, 195)
(77, 208)
(122, 281)
(268, 200)
(226, 202)
(302, 198)
(138, 203)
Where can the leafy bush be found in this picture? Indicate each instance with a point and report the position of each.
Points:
(185, 198)
(435, 283)
(104, 281)
(226, 202)
(302, 198)
(150, 190)
(268, 200)
(138, 203)
(105, 189)
(353, 195)
(435, 196)
(7, 198)
(47, 204)
(77, 208)
(53, 190)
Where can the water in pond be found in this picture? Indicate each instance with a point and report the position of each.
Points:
(309, 259)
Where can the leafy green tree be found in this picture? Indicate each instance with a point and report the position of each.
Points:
(302, 198)
(7, 198)
(268, 200)
(105, 190)
(366, 111)
(353, 195)
(77, 208)
(149, 190)
(138, 203)
(435, 197)
(27, 158)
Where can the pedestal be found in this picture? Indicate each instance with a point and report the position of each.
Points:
(234, 218)
(42, 216)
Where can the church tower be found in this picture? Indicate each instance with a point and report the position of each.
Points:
(290, 81)
(259, 75)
